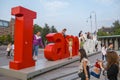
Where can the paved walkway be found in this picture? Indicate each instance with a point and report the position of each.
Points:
(49, 75)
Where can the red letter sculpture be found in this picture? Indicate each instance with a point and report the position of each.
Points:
(55, 50)
(23, 38)
(58, 47)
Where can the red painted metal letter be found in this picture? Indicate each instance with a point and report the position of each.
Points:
(23, 38)
(58, 47)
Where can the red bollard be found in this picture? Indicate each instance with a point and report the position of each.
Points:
(23, 38)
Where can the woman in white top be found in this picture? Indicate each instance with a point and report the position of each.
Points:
(84, 65)
(8, 50)
(103, 52)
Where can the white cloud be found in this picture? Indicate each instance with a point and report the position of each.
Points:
(54, 8)
(54, 5)
(106, 2)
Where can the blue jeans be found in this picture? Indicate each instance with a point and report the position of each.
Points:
(35, 50)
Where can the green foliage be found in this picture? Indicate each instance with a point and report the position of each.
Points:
(53, 29)
(1, 40)
(37, 28)
(5, 39)
(45, 31)
(101, 33)
(115, 30)
(9, 38)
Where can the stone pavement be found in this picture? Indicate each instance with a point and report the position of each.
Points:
(51, 74)
(55, 74)
(5, 61)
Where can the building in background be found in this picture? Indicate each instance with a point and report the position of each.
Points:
(108, 30)
(7, 27)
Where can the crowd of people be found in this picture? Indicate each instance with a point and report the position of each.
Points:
(108, 55)
(111, 68)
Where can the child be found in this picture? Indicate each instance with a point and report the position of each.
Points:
(8, 50)
(70, 43)
(37, 40)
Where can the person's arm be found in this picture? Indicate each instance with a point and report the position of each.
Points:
(85, 70)
(101, 65)
(41, 43)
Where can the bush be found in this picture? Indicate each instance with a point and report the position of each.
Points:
(5, 39)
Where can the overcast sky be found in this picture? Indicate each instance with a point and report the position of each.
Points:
(70, 14)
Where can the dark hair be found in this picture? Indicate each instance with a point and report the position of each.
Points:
(37, 32)
(83, 54)
(64, 29)
(79, 33)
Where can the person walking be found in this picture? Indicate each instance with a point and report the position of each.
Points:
(103, 50)
(81, 40)
(37, 41)
(84, 66)
(8, 50)
(112, 66)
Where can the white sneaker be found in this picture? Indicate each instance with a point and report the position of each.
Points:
(35, 57)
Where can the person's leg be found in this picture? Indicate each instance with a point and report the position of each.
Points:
(8, 53)
(70, 55)
(33, 52)
(102, 57)
(105, 57)
(71, 52)
(36, 50)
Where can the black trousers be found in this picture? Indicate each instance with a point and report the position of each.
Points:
(8, 54)
(103, 57)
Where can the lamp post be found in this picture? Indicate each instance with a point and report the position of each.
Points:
(90, 18)
(91, 22)
(95, 20)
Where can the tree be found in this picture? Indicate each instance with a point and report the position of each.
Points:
(37, 28)
(8, 38)
(45, 31)
(53, 29)
(101, 33)
(3, 38)
(116, 28)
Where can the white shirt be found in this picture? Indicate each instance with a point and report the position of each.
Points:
(37, 37)
(104, 50)
(12, 47)
(81, 64)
